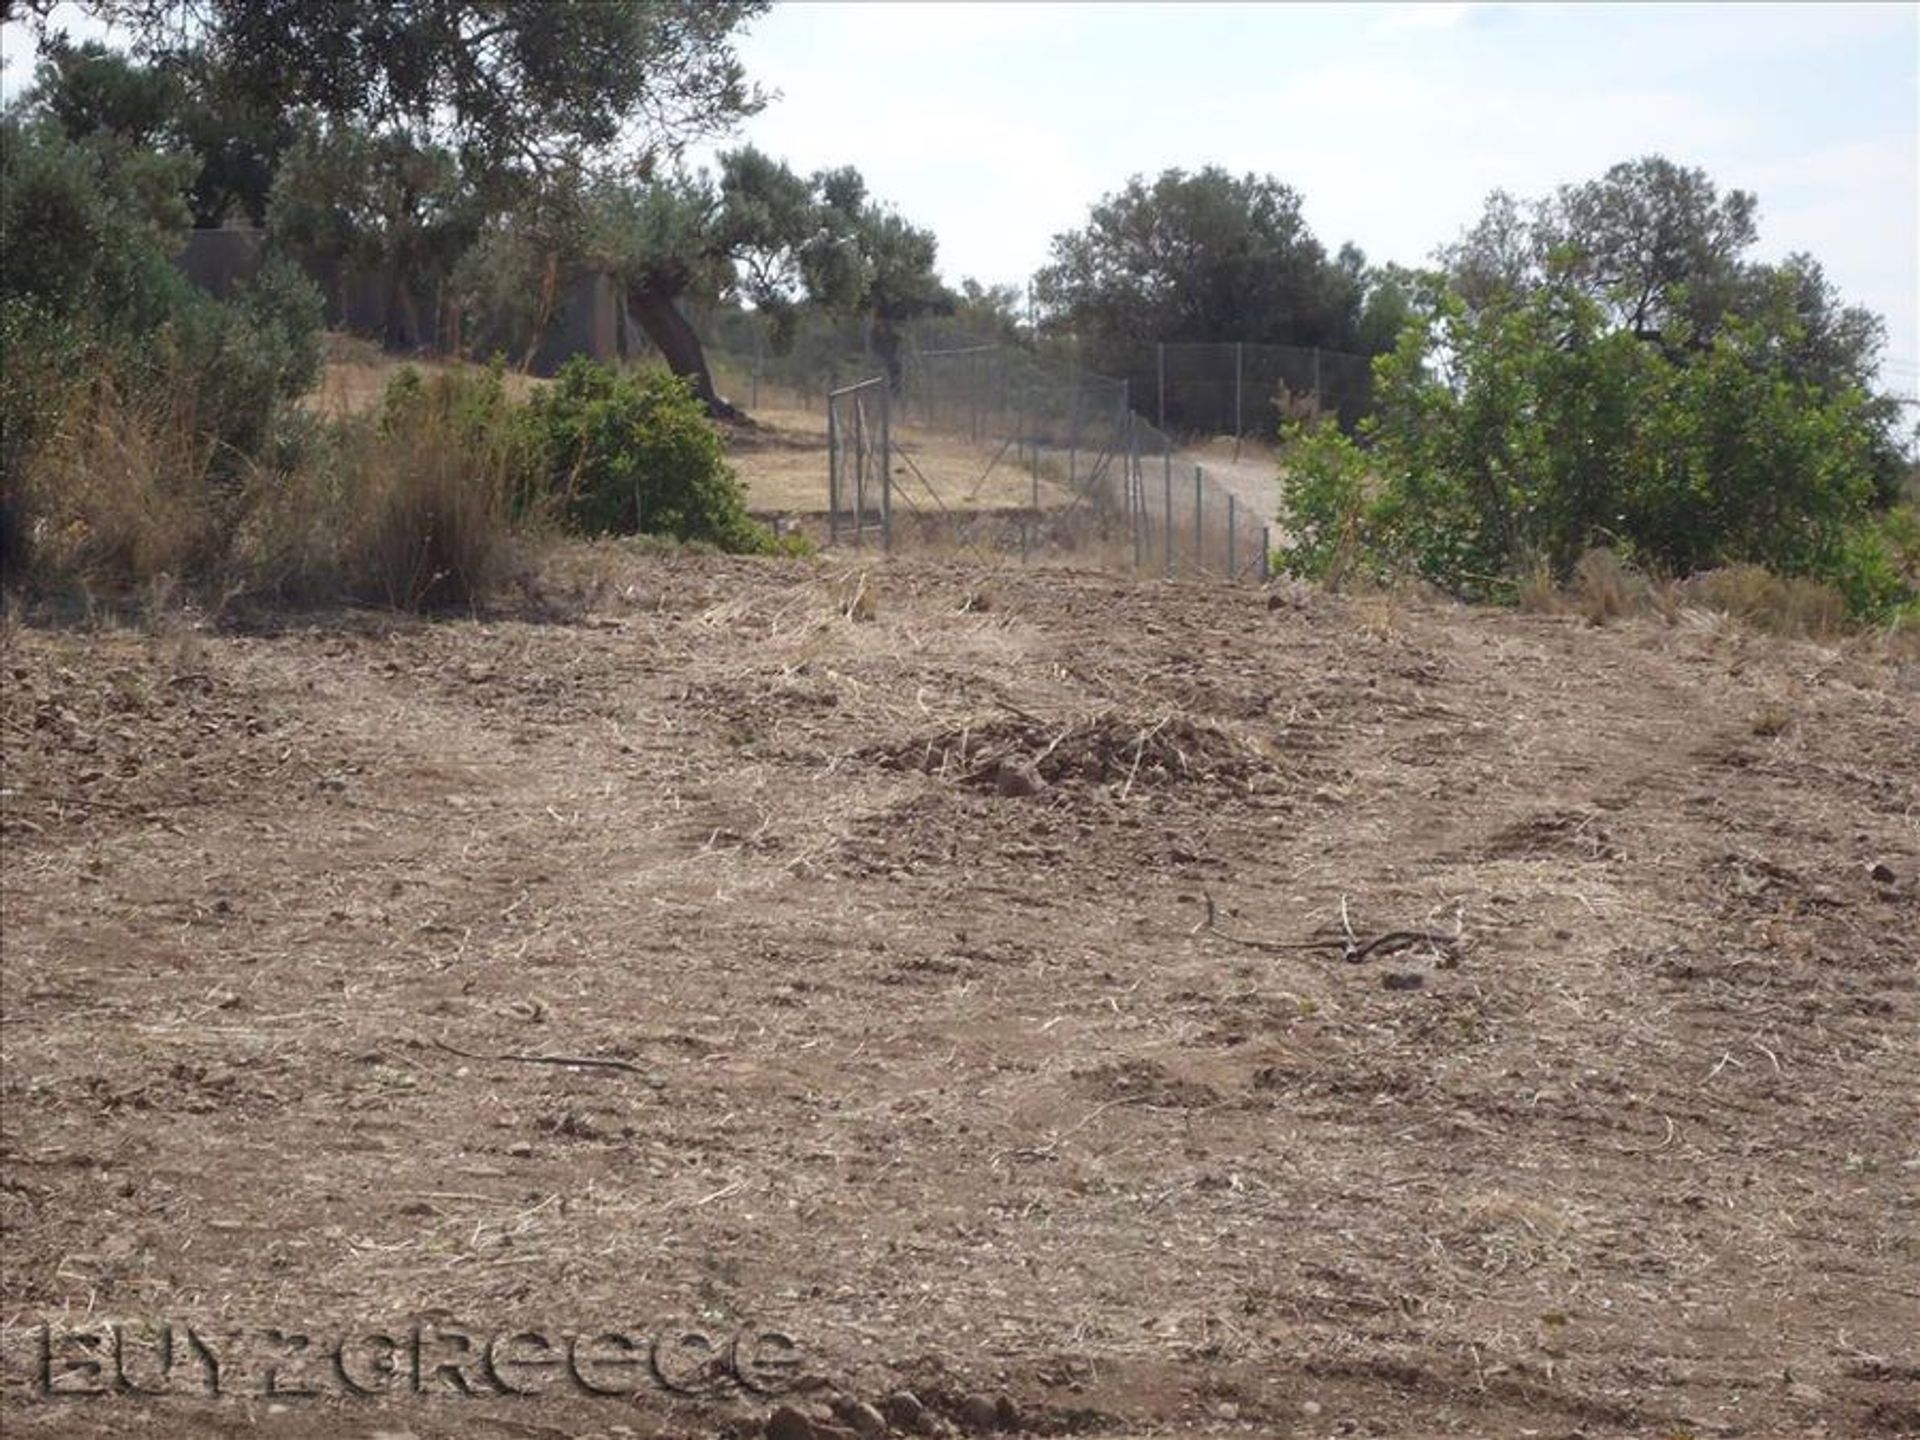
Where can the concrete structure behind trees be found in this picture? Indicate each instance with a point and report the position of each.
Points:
(589, 310)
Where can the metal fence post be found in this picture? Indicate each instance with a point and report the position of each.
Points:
(1033, 456)
(1168, 481)
(859, 470)
(1073, 436)
(1133, 465)
(1231, 573)
(1239, 398)
(973, 392)
(1266, 553)
(833, 475)
(1136, 501)
(886, 467)
(1199, 530)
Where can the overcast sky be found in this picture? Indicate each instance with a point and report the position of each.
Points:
(999, 125)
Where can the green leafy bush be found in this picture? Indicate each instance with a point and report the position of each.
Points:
(90, 298)
(1513, 440)
(247, 358)
(636, 453)
(1877, 567)
(1332, 514)
(89, 227)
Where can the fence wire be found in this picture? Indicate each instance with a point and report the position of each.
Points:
(1243, 390)
(993, 449)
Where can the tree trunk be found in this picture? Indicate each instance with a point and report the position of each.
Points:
(679, 345)
(884, 341)
(403, 314)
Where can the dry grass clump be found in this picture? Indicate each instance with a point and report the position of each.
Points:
(119, 498)
(354, 378)
(1537, 593)
(1605, 588)
(432, 518)
(130, 500)
(1780, 605)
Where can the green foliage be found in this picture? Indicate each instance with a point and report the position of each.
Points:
(347, 197)
(89, 293)
(636, 453)
(89, 89)
(1877, 567)
(88, 226)
(1515, 437)
(1662, 251)
(1201, 256)
(756, 233)
(597, 452)
(1206, 257)
(474, 413)
(515, 87)
(993, 312)
(1330, 504)
(250, 356)
(183, 107)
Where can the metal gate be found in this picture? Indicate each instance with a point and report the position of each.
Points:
(859, 469)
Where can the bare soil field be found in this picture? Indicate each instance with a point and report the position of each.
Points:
(1091, 1006)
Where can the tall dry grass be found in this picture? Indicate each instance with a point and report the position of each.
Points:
(128, 499)
(1605, 588)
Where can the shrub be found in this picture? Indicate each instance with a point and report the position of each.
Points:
(636, 453)
(1328, 495)
(1877, 567)
(247, 358)
(126, 391)
(119, 496)
(1513, 441)
(1781, 605)
(89, 227)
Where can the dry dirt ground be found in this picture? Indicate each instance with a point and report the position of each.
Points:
(887, 890)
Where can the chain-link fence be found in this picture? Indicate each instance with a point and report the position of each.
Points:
(1245, 390)
(995, 450)
(999, 451)
(1186, 518)
(796, 373)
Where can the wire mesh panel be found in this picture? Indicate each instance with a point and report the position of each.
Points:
(859, 474)
(1010, 443)
(1248, 390)
(1183, 519)
(999, 452)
